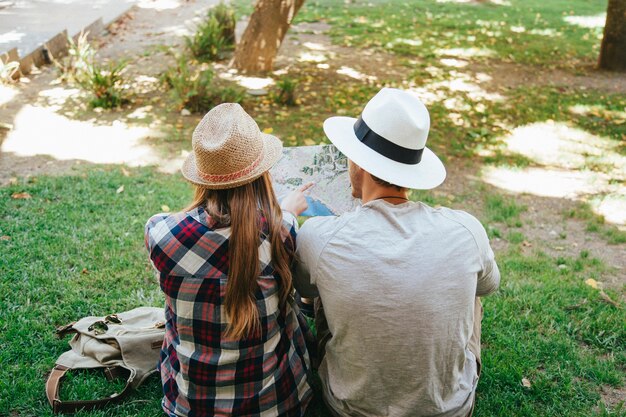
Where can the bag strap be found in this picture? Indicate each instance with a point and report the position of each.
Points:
(54, 381)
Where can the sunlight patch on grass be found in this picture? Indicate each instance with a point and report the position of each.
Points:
(572, 163)
(558, 144)
(600, 111)
(59, 95)
(457, 82)
(115, 143)
(452, 62)
(613, 208)
(410, 42)
(590, 22)
(312, 57)
(159, 4)
(251, 83)
(545, 32)
(7, 94)
(545, 182)
(465, 52)
(314, 46)
(141, 112)
(352, 73)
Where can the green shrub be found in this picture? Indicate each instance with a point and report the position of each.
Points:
(197, 90)
(215, 34)
(225, 16)
(106, 84)
(286, 91)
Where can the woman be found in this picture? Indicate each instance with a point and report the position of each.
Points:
(234, 342)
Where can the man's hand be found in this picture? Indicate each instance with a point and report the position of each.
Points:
(295, 202)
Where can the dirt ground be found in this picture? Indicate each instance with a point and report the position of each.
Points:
(141, 33)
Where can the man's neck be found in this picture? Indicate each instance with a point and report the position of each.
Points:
(390, 195)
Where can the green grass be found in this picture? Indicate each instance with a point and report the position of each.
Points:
(542, 312)
(596, 224)
(528, 31)
(501, 209)
(76, 248)
(474, 123)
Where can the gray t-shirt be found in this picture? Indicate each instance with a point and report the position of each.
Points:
(398, 284)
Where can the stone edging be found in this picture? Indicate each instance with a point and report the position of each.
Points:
(56, 47)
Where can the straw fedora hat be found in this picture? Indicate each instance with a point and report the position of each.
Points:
(388, 140)
(229, 150)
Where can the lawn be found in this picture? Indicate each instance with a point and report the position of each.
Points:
(553, 344)
(75, 248)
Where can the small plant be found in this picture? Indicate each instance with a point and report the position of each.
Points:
(106, 84)
(189, 89)
(215, 35)
(7, 71)
(286, 91)
(225, 16)
(79, 61)
(198, 90)
(226, 94)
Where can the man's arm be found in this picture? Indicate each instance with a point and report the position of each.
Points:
(489, 274)
(308, 248)
(489, 277)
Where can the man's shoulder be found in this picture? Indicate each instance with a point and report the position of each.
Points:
(465, 220)
(317, 232)
(458, 216)
(324, 226)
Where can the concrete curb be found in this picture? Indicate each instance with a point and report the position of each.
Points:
(57, 46)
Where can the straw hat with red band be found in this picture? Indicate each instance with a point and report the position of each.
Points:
(229, 150)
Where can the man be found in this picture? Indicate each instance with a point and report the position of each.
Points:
(399, 319)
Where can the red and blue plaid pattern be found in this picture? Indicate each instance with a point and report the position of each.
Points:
(203, 373)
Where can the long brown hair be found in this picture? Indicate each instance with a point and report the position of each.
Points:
(243, 207)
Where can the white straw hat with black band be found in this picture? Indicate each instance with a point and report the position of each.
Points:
(388, 140)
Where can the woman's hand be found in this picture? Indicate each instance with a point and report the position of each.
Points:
(295, 201)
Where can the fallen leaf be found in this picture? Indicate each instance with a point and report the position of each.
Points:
(268, 130)
(526, 383)
(592, 283)
(125, 172)
(5, 237)
(120, 190)
(165, 208)
(21, 196)
(85, 271)
(608, 299)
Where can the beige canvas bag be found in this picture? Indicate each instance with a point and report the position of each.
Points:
(125, 345)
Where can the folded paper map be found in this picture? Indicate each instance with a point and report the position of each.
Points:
(326, 167)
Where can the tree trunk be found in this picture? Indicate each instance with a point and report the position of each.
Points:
(613, 49)
(265, 32)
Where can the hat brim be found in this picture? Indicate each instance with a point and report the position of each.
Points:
(272, 152)
(427, 174)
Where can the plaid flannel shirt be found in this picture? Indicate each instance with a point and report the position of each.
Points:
(202, 372)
